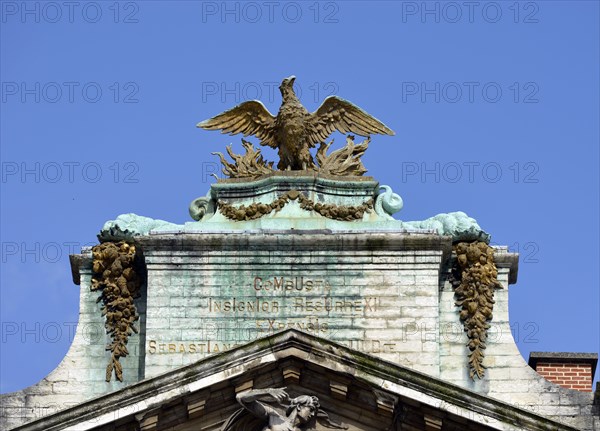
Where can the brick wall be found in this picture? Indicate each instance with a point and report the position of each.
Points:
(569, 370)
(569, 375)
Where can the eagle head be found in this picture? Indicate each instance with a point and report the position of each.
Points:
(287, 85)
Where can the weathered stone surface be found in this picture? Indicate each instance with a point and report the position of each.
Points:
(191, 277)
(126, 226)
(367, 395)
(319, 202)
(346, 287)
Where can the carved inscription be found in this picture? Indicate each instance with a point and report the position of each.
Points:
(372, 346)
(336, 305)
(235, 305)
(280, 284)
(205, 346)
(310, 325)
(264, 328)
(268, 304)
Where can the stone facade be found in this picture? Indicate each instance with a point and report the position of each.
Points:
(357, 391)
(386, 294)
(568, 375)
(81, 375)
(373, 292)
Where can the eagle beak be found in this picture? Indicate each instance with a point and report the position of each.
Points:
(291, 79)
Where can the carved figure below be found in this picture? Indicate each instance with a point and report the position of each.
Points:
(294, 131)
(298, 414)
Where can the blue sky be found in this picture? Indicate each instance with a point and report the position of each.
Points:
(495, 108)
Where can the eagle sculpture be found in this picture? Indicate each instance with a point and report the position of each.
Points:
(294, 131)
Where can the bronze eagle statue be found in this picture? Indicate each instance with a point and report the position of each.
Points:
(294, 131)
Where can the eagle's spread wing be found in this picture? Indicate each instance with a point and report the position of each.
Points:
(339, 114)
(249, 118)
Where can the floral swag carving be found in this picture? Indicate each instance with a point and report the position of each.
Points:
(474, 279)
(257, 210)
(119, 277)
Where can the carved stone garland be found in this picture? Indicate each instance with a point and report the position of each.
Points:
(474, 280)
(118, 278)
(257, 210)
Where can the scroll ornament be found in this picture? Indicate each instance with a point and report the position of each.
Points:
(388, 203)
(119, 281)
(475, 278)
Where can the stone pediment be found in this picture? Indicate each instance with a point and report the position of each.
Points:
(355, 389)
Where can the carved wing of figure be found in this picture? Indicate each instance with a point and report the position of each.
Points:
(241, 420)
(338, 114)
(323, 419)
(249, 118)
